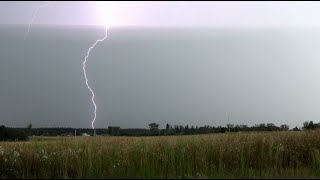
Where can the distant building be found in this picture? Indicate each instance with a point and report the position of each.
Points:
(85, 134)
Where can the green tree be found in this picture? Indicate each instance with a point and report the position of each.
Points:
(154, 128)
(284, 127)
(167, 129)
(186, 130)
(29, 129)
(295, 129)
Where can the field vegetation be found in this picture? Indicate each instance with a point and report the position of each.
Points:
(290, 154)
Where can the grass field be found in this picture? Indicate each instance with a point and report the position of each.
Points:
(234, 155)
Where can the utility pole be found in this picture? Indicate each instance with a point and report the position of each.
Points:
(228, 123)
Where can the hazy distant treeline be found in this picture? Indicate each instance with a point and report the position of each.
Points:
(9, 134)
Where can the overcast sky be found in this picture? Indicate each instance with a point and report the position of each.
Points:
(187, 76)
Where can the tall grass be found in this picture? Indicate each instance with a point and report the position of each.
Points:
(234, 155)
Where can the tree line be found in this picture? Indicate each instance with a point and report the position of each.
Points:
(20, 134)
(12, 134)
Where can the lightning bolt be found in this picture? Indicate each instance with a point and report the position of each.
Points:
(84, 62)
(34, 16)
(85, 76)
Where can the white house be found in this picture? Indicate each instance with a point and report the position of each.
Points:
(85, 134)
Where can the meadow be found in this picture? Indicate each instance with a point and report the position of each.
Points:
(228, 155)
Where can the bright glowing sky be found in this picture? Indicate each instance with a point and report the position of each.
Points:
(153, 13)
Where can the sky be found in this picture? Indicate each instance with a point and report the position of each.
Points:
(194, 74)
(165, 13)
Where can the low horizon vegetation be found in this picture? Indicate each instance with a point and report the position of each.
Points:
(290, 154)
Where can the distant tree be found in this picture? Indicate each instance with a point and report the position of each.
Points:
(181, 129)
(3, 134)
(284, 127)
(167, 129)
(109, 131)
(186, 130)
(305, 125)
(192, 130)
(114, 131)
(261, 127)
(167, 126)
(230, 127)
(243, 127)
(11, 134)
(296, 129)
(154, 128)
(177, 130)
(310, 125)
(29, 129)
(271, 127)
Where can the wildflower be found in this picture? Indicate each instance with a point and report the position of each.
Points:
(1, 151)
(280, 147)
(16, 154)
(45, 157)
